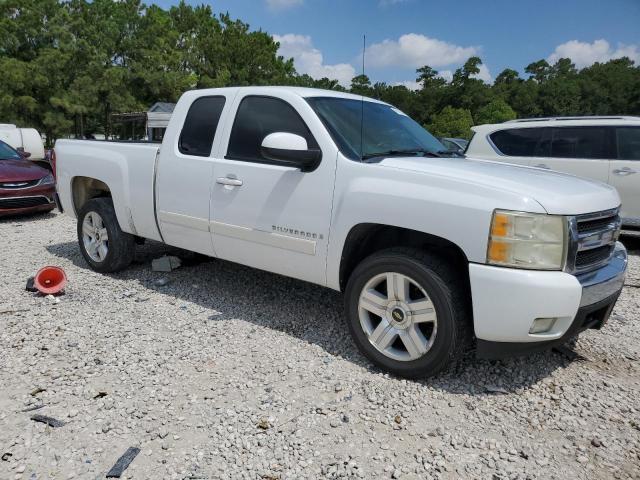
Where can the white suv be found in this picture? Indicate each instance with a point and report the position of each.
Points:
(602, 148)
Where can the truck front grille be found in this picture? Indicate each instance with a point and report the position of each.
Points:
(589, 226)
(595, 256)
(593, 238)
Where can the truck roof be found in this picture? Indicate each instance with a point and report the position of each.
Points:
(304, 92)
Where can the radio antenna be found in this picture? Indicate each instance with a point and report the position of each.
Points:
(364, 48)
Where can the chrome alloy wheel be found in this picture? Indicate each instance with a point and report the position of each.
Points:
(95, 237)
(397, 316)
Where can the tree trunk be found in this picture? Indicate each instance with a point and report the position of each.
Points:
(107, 118)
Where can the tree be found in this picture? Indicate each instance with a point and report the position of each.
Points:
(452, 122)
(559, 92)
(539, 70)
(432, 95)
(67, 66)
(496, 111)
(467, 91)
(361, 85)
(521, 95)
(429, 78)
(507, 77)
(33, 65)
(610, 88)
(72, 64)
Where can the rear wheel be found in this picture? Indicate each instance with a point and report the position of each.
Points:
(407, 312)
(104, 246)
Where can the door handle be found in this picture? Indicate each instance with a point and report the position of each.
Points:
(624, 171)
(233, 182)
(542, 165)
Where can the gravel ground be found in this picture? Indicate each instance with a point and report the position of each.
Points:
(229, 372)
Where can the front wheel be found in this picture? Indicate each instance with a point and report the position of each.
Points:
(103, 244)
(407, 313)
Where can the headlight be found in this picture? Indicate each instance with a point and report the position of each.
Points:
(527, 240)
(48, 180)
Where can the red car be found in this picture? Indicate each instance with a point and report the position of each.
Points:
(24, 186)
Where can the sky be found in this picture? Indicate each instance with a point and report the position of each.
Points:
(325, 37)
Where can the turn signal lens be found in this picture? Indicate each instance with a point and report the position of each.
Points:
(500, 225)
(527, 240)
(498, 251)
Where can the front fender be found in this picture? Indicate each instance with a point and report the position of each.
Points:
(457, 211)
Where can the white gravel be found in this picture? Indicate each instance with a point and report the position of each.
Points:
(229, 372)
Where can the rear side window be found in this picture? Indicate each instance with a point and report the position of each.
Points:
(200, 126)
(628, 141)
(522, 142)
(579, 142)
(258, 117)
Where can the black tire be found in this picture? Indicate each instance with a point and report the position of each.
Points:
(446, 290)
(121, 245)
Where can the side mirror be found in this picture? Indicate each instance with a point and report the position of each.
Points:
(290, 150)
(22, 153)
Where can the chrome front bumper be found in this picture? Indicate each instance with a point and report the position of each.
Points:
(607, 280)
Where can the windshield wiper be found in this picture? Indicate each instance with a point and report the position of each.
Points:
(389, 153)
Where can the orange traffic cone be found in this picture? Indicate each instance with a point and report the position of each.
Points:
(50, 280)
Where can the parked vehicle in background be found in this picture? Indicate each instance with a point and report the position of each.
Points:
(606, 149)
(456, 145)
(430, 252)
(27, 141)
(24, 186)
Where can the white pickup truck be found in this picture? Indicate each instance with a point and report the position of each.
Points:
(432, 253)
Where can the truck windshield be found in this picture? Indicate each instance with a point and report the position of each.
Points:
(384, 131)
(8, 153)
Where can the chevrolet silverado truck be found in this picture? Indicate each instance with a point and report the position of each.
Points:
(434, 254)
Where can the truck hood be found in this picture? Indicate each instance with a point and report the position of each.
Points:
(558, 193)
(20, 171)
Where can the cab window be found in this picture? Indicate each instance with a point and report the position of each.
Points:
(200, 126)
(258, 117)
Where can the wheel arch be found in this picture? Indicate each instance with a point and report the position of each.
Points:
(84, 189)
(365, 239)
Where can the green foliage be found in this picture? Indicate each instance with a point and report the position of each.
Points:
(67, 66)
(496, 111)
(452, 122)
(361, 85)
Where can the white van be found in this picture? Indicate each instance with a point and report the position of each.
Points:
(602, 148)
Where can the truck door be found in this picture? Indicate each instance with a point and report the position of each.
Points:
(264, 214)
(185, 172)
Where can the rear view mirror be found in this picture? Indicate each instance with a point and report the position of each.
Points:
(290, 150)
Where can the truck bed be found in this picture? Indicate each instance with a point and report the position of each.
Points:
(127, 168)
